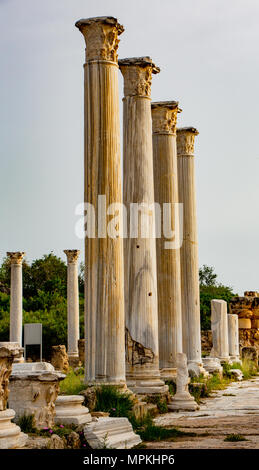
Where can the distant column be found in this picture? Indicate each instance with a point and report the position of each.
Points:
(189, 250)
(164, 117)
(233, 337)
(104, 294)
(73, 334)
(219, 327)
(16, 296)
(142, 355)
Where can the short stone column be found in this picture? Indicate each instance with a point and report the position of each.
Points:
(104, 308)
(73, 333)
(70, 410)
(164, 118)
(34, 388)
(189, 250)
(182, 400)
(11, 436)
(219, 328)
(141, 310)
(233, 337)
(16, 297)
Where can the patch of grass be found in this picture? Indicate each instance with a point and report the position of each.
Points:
(27, 424)
(111, 400)
(161, 403)
(215, 382)
(248, 368)
(73, 383)
(151, 432)
(172, 386)
(235, 438)
(228, 395)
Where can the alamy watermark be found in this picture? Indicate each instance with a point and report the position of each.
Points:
(138, 220)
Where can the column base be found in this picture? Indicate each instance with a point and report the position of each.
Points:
(212, 365)
(195, 369)
(168, 373)
(147, 387)
(11, 436)
(183, 401)
(70, 410)
(73, 360)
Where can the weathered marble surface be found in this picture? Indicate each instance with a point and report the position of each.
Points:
(182, 400)
(73, 334)
(10, 434)
(16, 259)
(219, 327)
(113, 433)
(164, 118)
(34, 388)
(189, 250)
(233, 337)
(104, 295)
(70, 410)
(140, 270)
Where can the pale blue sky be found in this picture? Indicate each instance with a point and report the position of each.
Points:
(208, 54)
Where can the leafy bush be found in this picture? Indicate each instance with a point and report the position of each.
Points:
(73, 383)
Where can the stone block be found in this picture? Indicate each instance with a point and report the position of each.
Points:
(69, 410)
(111, 433)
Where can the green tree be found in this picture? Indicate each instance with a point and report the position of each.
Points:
(210, 289)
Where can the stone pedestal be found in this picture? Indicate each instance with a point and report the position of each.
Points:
(34, 388)
(73, 333)
(164, 117)
(219, 327)
(212, 365)
(59, 358)
(16, 298)
(189, 250)
(182, 400)
(69, 410)
(11, 436)
(111, 433)
(233, 338)
(141, 314)
(104, 309)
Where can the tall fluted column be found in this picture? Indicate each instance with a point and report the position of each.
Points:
(233, 337)
(105, 324)
(164, 117)
(16, 297)
(73, 333)
(189, 250)
(142, 355)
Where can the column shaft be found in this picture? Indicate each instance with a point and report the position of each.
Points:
(233, 336)
(104, 317)
(189, 250)
(164, 116)
(73, 334)
(16, 297)
(142, 354)
(219, 327)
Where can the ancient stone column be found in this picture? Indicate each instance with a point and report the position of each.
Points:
(219, 327)
(233, 337)
(182, 400)
(73, 333)
(164, 118)
(11, 436)
(105, 323)
(16, 296)
(141, 314)
(189, 250)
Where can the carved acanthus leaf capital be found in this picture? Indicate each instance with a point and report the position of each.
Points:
(16, 257)
(164, 117)
(137, 73)
(72, 255)
(101, 37)
(185, 140)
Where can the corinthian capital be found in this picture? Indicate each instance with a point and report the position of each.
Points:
(16, 257)
(137, 73)
(72, 255)
(185, 140)
(101, 37)
(164, 117)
